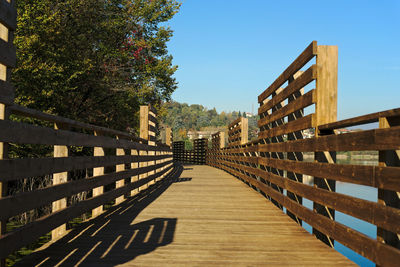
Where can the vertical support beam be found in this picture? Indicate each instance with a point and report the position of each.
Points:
(168, 136)
(144, 133)
(221, 140)
(326, 85)
(244, 137)
(5, 75)
(325, 112)
(134, 165)
(59, 178)
(119, 168)
(152, 138)
(298, 156)
(98, 152)
(388, 197)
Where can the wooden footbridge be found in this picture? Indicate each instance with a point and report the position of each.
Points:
(244, 207)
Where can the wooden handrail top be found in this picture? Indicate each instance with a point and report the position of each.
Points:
(31, 113)
(360, 120)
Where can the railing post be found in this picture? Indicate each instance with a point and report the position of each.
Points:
(134, 165)
(388, 197)
(59, 178)
(244, 130)
(298, 156)
(6, 98)
(119, 168)
(98, 152)
(325, 112)
(144, 133)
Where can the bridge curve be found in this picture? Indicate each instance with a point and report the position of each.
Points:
(201, 216)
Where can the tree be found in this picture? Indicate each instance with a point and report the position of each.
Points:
(94, 60)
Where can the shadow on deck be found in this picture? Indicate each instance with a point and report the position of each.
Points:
(112, 238)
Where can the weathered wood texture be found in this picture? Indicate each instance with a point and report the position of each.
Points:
(274, 164)
(204, 218)
(238, 132)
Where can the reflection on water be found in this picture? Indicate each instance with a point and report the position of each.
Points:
(359, 191)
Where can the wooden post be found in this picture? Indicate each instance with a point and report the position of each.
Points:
(134, 165)
(144, 133)
(325, 112)
(388, 197)
(152, 139)
(59, 178)
(298, 156)
(168, 136)
(98, 152)
(221, 140)
(244, 129)
(119, 168)
(5, 75)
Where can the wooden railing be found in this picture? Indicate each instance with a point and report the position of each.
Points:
(197, 155)
(118, 164)
(275, 163)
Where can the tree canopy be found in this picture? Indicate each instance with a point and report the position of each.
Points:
(94, 60)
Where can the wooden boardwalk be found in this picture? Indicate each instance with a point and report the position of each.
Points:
(204, 217)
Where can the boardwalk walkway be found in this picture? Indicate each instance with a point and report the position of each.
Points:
(204, 217)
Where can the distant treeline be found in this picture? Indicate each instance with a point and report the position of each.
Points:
(182, 117)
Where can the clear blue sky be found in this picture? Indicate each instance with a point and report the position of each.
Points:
(229, 51)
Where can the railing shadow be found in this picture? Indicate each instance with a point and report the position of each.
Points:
(112, 238)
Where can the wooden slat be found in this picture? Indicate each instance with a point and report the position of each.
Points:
(31, 113)
(300, 103)
(308, 76)
(6, 93)
(381, 177)
(369, 118)
(32, 231)
(13, 169)
(7, 54)
(296, 65)
(377, 139)
(8, 15)
(293, 126)
(22, 133)
(16, 204)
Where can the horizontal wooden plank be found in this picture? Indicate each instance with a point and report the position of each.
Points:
(17, 204)
(292, 126)
(375, 176)
(296, 65)
(360, 120)
(7, 54)
(376, 139)
(6, 93)
(13, 169)
(235, 136)
(31, 113)
(300, 103)
(8, 15)
(22, 133)
(12, 241)
(305, 78)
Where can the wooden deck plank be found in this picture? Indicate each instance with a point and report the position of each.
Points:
(205, 217)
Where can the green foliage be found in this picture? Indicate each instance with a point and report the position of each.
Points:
(182, 117)
(94, 60)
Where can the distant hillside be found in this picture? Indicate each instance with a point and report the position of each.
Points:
(182, 117)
